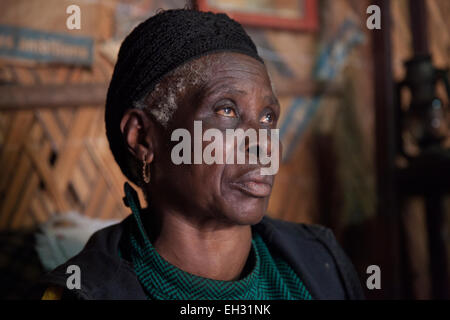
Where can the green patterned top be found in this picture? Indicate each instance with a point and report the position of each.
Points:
(270, 277)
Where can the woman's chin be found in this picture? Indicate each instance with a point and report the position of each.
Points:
(248, 215)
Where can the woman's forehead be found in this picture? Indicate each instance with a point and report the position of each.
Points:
(232, 70)
(236, 62)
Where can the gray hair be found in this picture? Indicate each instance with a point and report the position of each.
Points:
(164, 99)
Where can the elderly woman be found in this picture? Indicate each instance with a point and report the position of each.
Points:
(204, 233)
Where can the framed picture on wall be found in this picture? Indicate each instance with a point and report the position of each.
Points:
(280, 14)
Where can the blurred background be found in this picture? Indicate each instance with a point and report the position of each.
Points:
(363, 124)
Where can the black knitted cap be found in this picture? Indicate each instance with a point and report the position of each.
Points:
(157, 46)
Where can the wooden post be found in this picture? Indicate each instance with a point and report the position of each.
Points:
(387, 246)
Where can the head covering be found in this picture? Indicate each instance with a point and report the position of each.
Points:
(157, 46)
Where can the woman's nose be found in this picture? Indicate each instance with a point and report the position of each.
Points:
(262, 143)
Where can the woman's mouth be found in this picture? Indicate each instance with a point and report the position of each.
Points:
(254, 189)
(254, 184)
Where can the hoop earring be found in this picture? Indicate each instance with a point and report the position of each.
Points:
(145, 171)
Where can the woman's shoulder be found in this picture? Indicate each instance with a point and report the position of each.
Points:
(313, 251)
(100, 269)
(307, 231)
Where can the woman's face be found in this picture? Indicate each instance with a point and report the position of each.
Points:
(237, 95)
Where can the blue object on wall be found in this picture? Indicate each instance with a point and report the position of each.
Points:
(39, 46)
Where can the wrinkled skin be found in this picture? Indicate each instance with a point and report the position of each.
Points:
(202, 213)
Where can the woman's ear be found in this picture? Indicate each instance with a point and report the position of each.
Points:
(138, 130)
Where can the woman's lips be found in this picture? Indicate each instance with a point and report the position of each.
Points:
(254, 189)
(254, 184)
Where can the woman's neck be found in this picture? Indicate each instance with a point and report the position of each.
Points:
(208, 249)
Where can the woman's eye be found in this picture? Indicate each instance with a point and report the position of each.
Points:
(267, 118)
(226, 112)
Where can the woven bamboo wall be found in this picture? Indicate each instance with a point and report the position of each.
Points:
(56, 159)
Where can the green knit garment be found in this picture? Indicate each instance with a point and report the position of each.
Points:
(270, 277)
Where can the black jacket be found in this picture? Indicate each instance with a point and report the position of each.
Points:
(311, 250)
